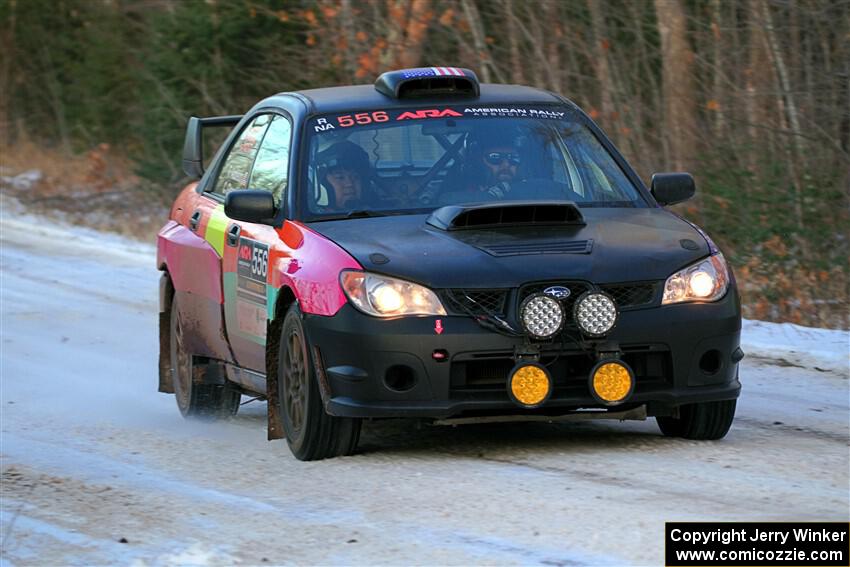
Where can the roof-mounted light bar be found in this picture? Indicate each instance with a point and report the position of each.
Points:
(428, 81)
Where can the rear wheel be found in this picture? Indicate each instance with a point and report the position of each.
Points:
(195, 399)
(707, 420)
(311, 433)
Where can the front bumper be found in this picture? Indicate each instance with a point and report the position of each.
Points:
(371, 367)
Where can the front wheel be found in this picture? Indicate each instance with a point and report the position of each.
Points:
(703, 421)
(311, 433)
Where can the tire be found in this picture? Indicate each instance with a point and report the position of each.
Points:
(207, 401)
(703, 421)
(310, 432)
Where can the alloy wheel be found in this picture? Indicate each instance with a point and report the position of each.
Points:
(295, 373)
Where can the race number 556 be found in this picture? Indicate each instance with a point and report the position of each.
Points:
(362, 118)
(260, 262)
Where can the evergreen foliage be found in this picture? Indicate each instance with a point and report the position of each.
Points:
(763, 117)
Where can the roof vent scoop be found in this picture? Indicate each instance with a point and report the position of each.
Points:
(428, 82)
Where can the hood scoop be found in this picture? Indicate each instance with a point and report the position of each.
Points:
(518, 213)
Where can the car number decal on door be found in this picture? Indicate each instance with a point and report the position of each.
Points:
(251, 272)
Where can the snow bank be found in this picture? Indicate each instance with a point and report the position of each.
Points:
(14, 217)
(826, 350)
(23, 181)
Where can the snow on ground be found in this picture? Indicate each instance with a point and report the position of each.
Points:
(15, 218)
(99, 468)
(826, 350)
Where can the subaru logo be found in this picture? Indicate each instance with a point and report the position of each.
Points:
(557, 291)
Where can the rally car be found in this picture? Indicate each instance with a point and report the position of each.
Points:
(433, 247)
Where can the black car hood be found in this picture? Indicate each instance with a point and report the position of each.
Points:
(615, 245)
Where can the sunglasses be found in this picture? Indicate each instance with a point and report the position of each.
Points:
(496, 158)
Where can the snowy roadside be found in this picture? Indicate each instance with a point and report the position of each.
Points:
(15, 217)
(824, 350)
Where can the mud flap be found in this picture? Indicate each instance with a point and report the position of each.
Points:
(166, 385)
(166, 296)
(275, 425)
(209, 372)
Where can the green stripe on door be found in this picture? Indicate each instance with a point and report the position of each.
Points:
(216, 227)
(271, 300)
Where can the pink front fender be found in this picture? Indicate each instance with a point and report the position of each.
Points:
(312, 271)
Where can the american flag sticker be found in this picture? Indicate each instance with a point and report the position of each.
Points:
(447, 71)
(416, 73)
(432, 72)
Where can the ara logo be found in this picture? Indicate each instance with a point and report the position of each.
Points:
(428, 113)
(245, 252)
(557, 291)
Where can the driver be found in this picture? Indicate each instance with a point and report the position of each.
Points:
(501, 162)
(344, 171)
(495, 160)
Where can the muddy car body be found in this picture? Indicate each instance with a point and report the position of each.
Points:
(436, 248)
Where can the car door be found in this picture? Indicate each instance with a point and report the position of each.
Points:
(248, 296)
(193, 248)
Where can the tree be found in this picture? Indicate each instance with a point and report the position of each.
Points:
(677, 59)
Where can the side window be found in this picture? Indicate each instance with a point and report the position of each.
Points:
(236, 170)
(271, 169)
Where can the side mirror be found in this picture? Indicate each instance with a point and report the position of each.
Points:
(249, 205)
(672, 188)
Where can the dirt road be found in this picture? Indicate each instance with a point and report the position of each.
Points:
(98, 468)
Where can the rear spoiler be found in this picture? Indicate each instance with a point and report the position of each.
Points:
(193, 149)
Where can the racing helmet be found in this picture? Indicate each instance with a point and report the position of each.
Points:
(345, 155)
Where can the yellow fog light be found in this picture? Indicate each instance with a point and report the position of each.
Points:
(611, 382)
(529, 384)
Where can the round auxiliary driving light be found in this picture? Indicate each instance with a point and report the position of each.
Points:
(611, 382)
(542, 316)
(529, 384)
(595, 313)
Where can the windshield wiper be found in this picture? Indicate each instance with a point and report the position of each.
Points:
(359, 214)
(607, 204)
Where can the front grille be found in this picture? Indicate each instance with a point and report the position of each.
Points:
(576, 289)
(476, 301)
(625, 295)
(497, 301)
(632, 294)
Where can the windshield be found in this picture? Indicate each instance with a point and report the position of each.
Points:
(415, 160)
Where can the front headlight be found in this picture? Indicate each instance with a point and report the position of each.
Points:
(707, 280)
(382, 296)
